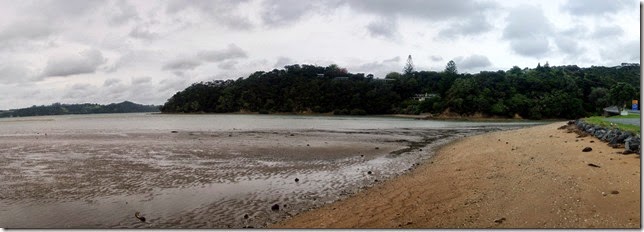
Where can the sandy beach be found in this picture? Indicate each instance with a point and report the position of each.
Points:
(535, 177)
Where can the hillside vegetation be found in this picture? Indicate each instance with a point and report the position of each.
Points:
(87, 108)
(537, 93)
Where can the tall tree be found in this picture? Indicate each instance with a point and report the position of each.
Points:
(451, 67)
(622, 93)
(409, 67)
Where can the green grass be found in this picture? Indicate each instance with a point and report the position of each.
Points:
(627, 116)
(598, 120)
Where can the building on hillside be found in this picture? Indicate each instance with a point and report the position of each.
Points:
(422, 97)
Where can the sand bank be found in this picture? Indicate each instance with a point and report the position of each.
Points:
(535, 177)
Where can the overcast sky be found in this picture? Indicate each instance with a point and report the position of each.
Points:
(77, 51)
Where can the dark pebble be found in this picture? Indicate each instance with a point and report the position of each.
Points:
(377, 148)
(297, 180)
(587, 149)
(376, 180)
(245, 216)
(361, 155)
(420, 149)
(174, 132)
(500, 220)
(308, 145)
(292, 135)
(594, 165)
(591, 141)
(230, 135)
(275, 207)
(506, 142)
(369, 172)
(614, 192)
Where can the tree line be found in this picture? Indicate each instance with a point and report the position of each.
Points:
(87, 108)
(534, 93)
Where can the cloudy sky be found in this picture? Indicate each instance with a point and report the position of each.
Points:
(76, 51)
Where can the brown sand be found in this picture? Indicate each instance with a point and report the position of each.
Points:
(534, 177)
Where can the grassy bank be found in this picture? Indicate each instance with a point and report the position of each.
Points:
(601, 121)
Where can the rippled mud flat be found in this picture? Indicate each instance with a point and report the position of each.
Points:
(195, 179)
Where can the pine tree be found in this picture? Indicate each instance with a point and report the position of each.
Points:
(409, 67)
(451, 67)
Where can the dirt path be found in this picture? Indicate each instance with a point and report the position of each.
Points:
(534, 177)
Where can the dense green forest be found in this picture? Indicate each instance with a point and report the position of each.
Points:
(534, 93)
(59, 109)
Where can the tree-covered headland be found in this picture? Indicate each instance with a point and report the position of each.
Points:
(533, 93)
(87, 108)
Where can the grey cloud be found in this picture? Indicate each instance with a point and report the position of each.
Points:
(85, 62)
(607, 32)
(140, 80)
(230, 52)
(379, 69)
(227, 65)
(472, 62)
(596, 7)
(394, 59)
(436, 58)
(220, 10)
(282, 61)
(385, 27)
(27, 30)
(110, 82)
(181, 64)
(528, 30)
(80, 92)
(143, 32)
(568, 45)
(473, 25)
(617, 53)
(121, 12)
(530, 47)
(14, 73)
(172, 84)
(284, 12)
(435, 10)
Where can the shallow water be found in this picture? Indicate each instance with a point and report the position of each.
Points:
(216, 171)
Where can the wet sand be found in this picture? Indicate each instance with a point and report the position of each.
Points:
(535, 177)
(198, 179)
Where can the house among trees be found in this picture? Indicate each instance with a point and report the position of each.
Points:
(422, 97)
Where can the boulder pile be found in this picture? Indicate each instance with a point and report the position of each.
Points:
(613, 136)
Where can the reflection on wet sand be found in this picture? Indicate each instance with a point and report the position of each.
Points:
(197, 179)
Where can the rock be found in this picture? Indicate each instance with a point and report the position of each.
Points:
(591, 141)
(297, 180)
(361, 155)
(376, 180)
(420, 149)
(292, 135)
(369, 172)
(174, 132)
(308, 145)
(245, 216)
(614, 192)
(500, 220)
(594, 165)
(275, 207)
(506, 142)
(587, 149)
(377, 148)
(632, 144)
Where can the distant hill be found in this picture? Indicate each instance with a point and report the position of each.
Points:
(87, 108)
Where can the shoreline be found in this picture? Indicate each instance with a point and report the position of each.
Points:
(535, 177)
